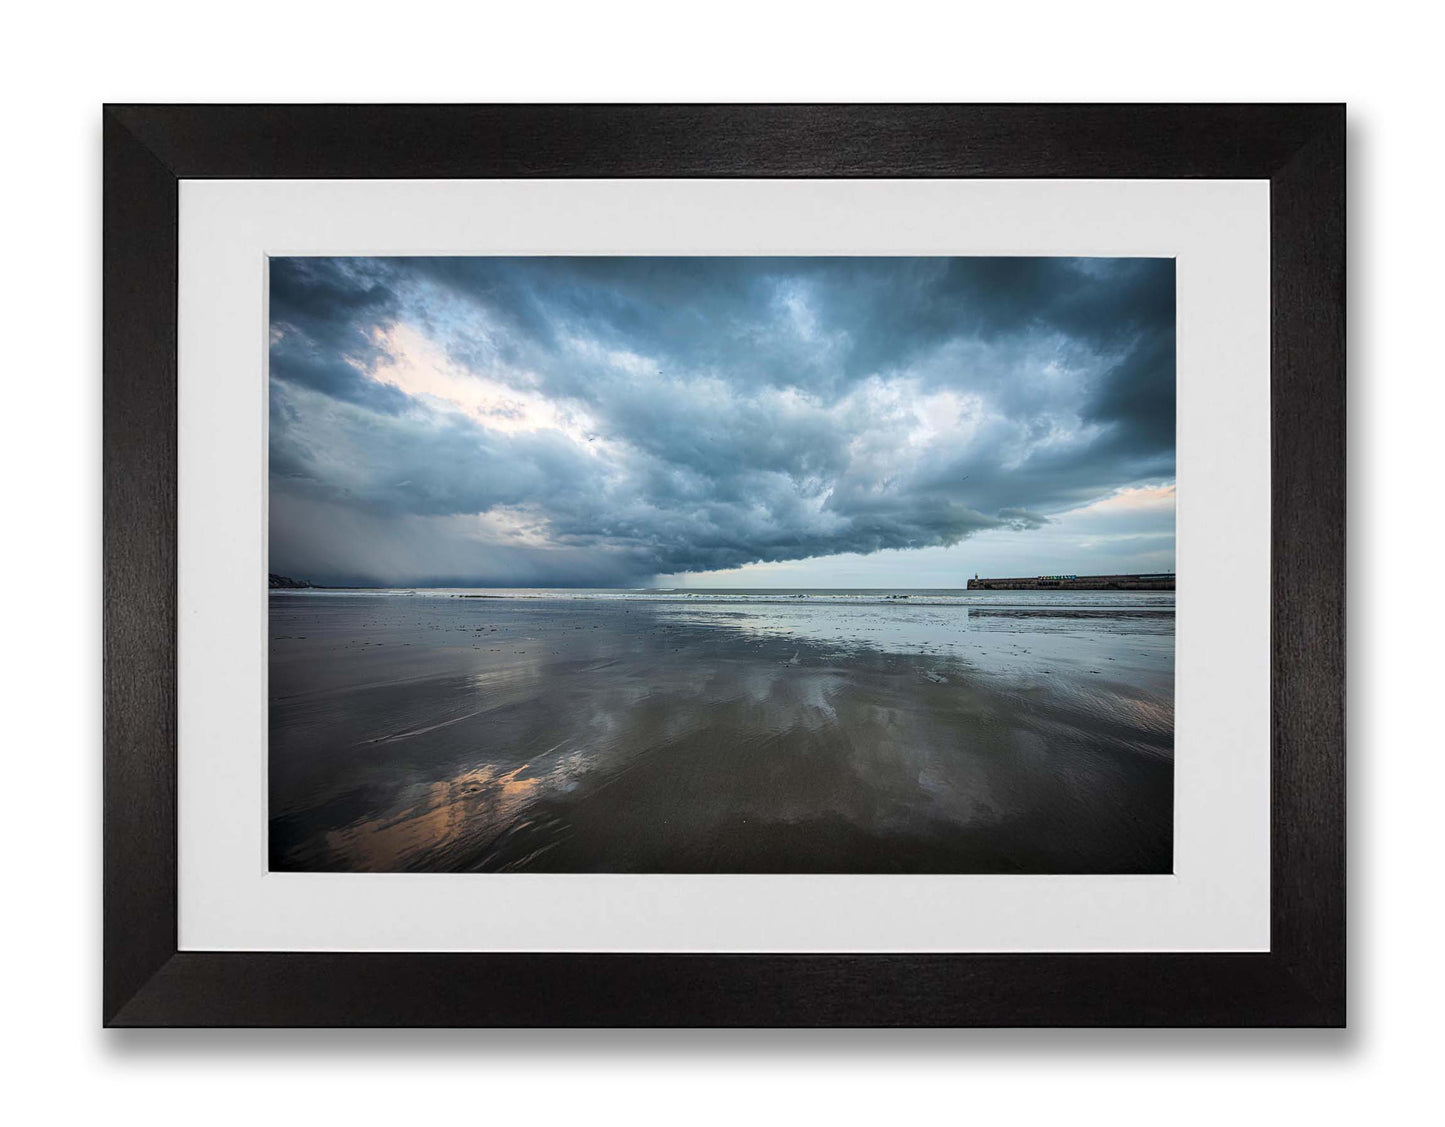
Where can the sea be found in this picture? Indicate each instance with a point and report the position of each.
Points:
(730, 730)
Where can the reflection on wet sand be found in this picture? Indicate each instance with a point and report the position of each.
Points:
(436, 734)
(446, 813)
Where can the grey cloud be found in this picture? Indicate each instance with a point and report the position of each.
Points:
(742, 410)
(322, 311)
(1021, 519)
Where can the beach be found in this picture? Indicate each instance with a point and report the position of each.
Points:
(721, 732)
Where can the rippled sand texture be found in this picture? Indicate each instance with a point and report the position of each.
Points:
(432, 733)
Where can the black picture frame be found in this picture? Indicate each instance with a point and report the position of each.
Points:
(1299, 149)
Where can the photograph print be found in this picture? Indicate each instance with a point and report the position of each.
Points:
(721, 565)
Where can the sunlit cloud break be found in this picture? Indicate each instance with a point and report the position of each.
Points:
(610, 421)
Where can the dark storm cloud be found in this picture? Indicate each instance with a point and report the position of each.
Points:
(322, 311)
(607, 419)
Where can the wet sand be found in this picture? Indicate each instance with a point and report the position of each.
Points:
(1007, 732)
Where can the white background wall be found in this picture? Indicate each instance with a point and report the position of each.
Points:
(62, 62)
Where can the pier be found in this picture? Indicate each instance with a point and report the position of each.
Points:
(1160, 581)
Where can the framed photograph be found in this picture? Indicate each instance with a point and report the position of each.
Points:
(724, 565)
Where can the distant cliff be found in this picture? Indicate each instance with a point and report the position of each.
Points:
(289, 583)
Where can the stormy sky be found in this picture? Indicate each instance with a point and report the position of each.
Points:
(727, 421)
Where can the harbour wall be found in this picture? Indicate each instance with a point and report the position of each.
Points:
(1076, 583)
